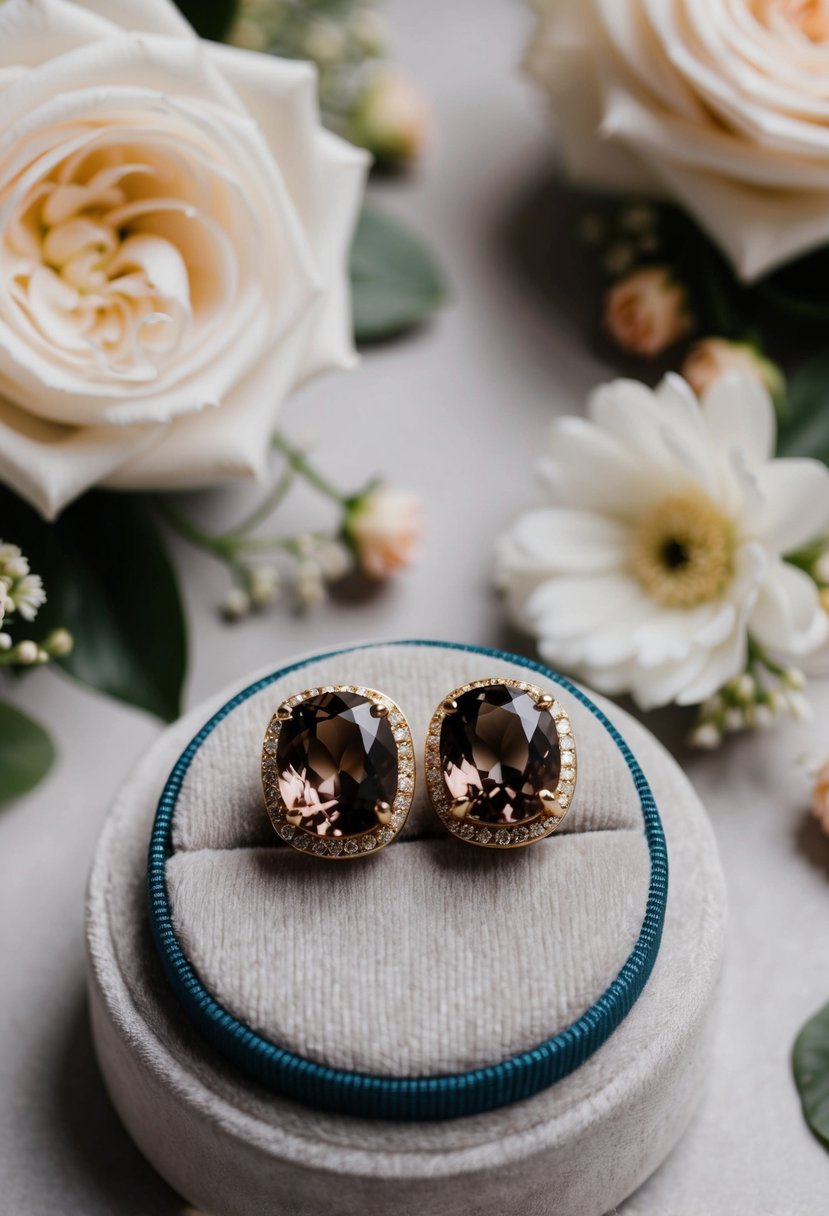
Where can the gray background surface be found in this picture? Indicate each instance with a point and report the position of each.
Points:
(456, 413)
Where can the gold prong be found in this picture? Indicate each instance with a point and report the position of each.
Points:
(545, 701)
(379, 710)
(383, 812)
(460, 807)
(284, 712)
(549, 806)
(449, 706)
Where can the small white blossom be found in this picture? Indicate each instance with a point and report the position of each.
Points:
(26, 653)
(746, 687)
(368, 29)
(59, 643)
(618, 259)
(335, 559)
(324, 41)
(706, 736)
(799, 707)
(5, 641)
(306, 545)
(27, 595)
(263, 585)
(236, 604)
(640, 217)
(310, 585)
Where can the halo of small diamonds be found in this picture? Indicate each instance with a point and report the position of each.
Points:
(502, 836)
(339, 848)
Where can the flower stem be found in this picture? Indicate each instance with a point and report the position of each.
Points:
(268, 505)
(299, 463)
(219, 546)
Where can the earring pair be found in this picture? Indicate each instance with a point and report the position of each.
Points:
(338, 767)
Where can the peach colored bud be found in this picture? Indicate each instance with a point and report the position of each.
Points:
(647, 311)
(384, 528)
(820, 798)
(391, 119)
(713, 357)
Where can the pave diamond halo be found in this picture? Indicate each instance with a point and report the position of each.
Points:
(338, 771)
(500, 763)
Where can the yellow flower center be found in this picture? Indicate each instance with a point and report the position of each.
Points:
(683, 551)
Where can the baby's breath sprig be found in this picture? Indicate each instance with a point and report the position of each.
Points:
(362, 95)
(21, 596)
(369, 534)
(756, 699)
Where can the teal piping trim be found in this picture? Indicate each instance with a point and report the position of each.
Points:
(445, 1096)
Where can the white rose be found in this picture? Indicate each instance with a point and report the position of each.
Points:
(722, 106)
(174, 235)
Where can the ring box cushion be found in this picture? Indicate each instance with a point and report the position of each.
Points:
(431, 957)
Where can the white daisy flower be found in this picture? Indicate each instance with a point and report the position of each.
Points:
(661, 548)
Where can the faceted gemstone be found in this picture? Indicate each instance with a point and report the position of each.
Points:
(498, 752)
(336, 763)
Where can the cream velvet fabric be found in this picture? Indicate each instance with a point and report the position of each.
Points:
(432, 956)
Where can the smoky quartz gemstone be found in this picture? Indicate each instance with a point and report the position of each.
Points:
(498, 752)
(337, 765)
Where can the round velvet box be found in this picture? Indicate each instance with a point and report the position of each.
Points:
(434, 959)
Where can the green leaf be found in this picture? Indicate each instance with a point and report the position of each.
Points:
(395, 282)
(110, 583)
(798, 290)
(810, 1062)
(804, 426)
(210, 18)
(26, 753)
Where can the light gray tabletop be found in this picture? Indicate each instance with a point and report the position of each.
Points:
(456, 413)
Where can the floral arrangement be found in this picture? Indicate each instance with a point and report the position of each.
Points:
(182, 244)
(362, 95)
(26, 752)
(681, 553)
(682, 550)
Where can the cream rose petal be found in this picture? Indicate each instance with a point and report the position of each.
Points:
(50, 465)
(33, 32)
(325, 188)
(715, 175)
(232, 440)
(567, 58)
(146, 16)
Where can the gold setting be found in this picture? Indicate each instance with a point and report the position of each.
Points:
(553, 804)
(390, 817)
